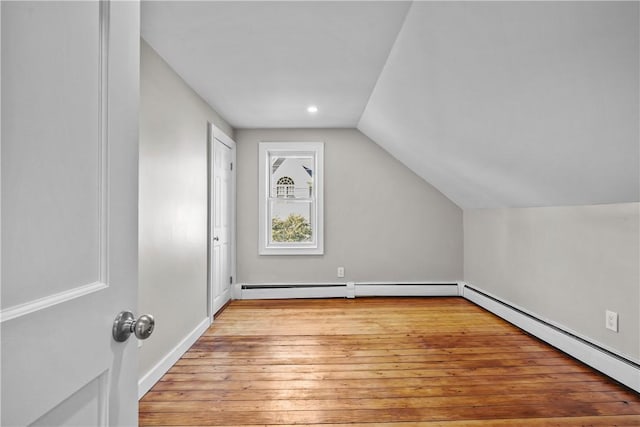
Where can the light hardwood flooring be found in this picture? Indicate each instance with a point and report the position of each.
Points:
(379, 361)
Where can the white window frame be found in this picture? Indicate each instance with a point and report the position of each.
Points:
(316, 246)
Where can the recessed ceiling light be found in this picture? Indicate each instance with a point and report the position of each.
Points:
(312, 109)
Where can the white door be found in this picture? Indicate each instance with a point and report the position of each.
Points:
(69, 159)
(221, 242)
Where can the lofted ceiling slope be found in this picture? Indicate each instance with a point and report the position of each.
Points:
(513, 104)
(496, 104)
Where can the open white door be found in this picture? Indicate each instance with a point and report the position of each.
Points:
(69, 155)
(221, 244)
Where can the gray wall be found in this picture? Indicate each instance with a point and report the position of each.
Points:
(173, 205)
(382, 222)
(565, 264)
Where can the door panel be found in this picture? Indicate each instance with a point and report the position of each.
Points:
(69, 211)
(49, 123)
(83, 408)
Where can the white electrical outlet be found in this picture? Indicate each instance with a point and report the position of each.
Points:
(340, 271)
(611, 320)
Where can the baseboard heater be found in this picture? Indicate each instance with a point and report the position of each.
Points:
(400, 289)
(622, 369)
(345, 290)
(287, 290)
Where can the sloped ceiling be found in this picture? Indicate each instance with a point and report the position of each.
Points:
(496, 104)
(508, 104)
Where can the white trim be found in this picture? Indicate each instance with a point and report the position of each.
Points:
(1, 364)
(149, 379)
(317, 217)
(290, 284)
(351, 290)
(582, 348)
(49, 301)
(103, 141)
(236, 291)
(233, 217)
(345, 290)
(286, 291)
(222, 137)
(407, 290)
(471, 288)
(601, 359)
(585, 350)
(210, 141)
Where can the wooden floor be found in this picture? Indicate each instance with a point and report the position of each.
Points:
(383, 361)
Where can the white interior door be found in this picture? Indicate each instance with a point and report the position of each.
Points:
(221, 242)
(69, 159)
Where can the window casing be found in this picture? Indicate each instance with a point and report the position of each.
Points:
(291, 198)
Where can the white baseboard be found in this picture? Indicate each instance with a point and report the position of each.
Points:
(289, 291)
(346, 290)
(236, 291)
(149, 379)
(615, 366)
(406, 290)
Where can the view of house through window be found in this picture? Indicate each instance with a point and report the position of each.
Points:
(292, 204)
(285, 187)
(291, 207)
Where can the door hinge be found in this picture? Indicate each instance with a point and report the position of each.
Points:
(231, 280)
(231, 166)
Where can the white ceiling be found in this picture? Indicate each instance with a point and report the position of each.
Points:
(496, 104)
(260, 64)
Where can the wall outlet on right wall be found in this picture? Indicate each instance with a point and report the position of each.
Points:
(611, 320)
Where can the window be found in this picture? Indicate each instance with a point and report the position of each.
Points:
(291, 208)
